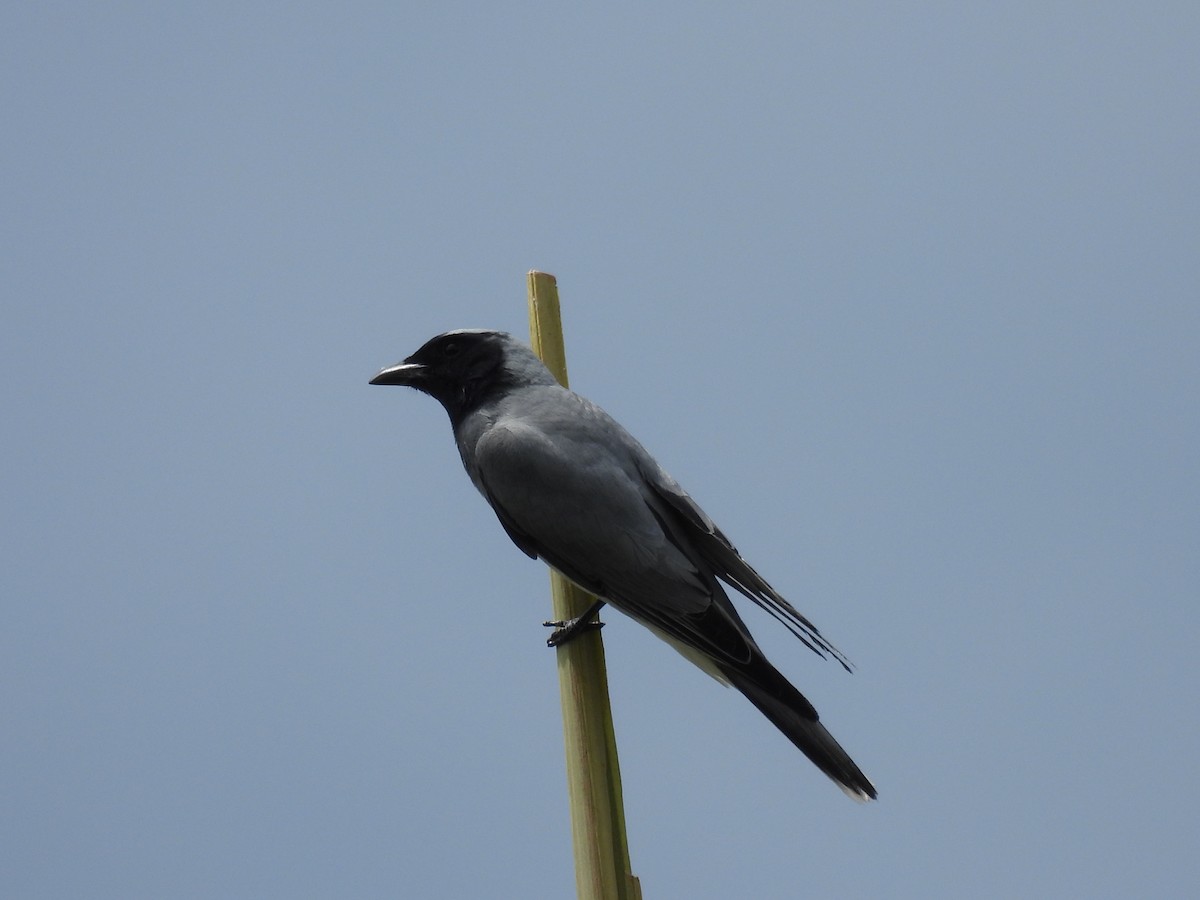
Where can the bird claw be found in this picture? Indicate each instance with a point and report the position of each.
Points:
(570, 629)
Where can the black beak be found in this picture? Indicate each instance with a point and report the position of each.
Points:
(402, 373)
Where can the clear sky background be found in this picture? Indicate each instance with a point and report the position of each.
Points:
(907, 297)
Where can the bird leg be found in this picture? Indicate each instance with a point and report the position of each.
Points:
(572, 628)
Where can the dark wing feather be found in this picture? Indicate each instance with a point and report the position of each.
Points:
(728, 565)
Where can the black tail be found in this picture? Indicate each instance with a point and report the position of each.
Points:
(792, 714)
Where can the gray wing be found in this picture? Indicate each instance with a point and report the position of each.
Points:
(564, 480)
(572, 487)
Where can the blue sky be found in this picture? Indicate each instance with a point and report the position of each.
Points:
(906, 298)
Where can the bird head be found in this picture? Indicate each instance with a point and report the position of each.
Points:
(462, 369)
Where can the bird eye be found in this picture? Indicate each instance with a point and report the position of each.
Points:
(451, 349)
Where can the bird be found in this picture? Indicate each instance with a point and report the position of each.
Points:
(573, 488)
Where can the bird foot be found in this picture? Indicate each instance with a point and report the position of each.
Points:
(571, 629)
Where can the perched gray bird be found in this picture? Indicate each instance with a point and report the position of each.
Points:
(575, 489)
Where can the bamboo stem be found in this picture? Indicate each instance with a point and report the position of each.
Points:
(602, 867)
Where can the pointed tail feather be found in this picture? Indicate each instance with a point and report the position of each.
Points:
(792, 714)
